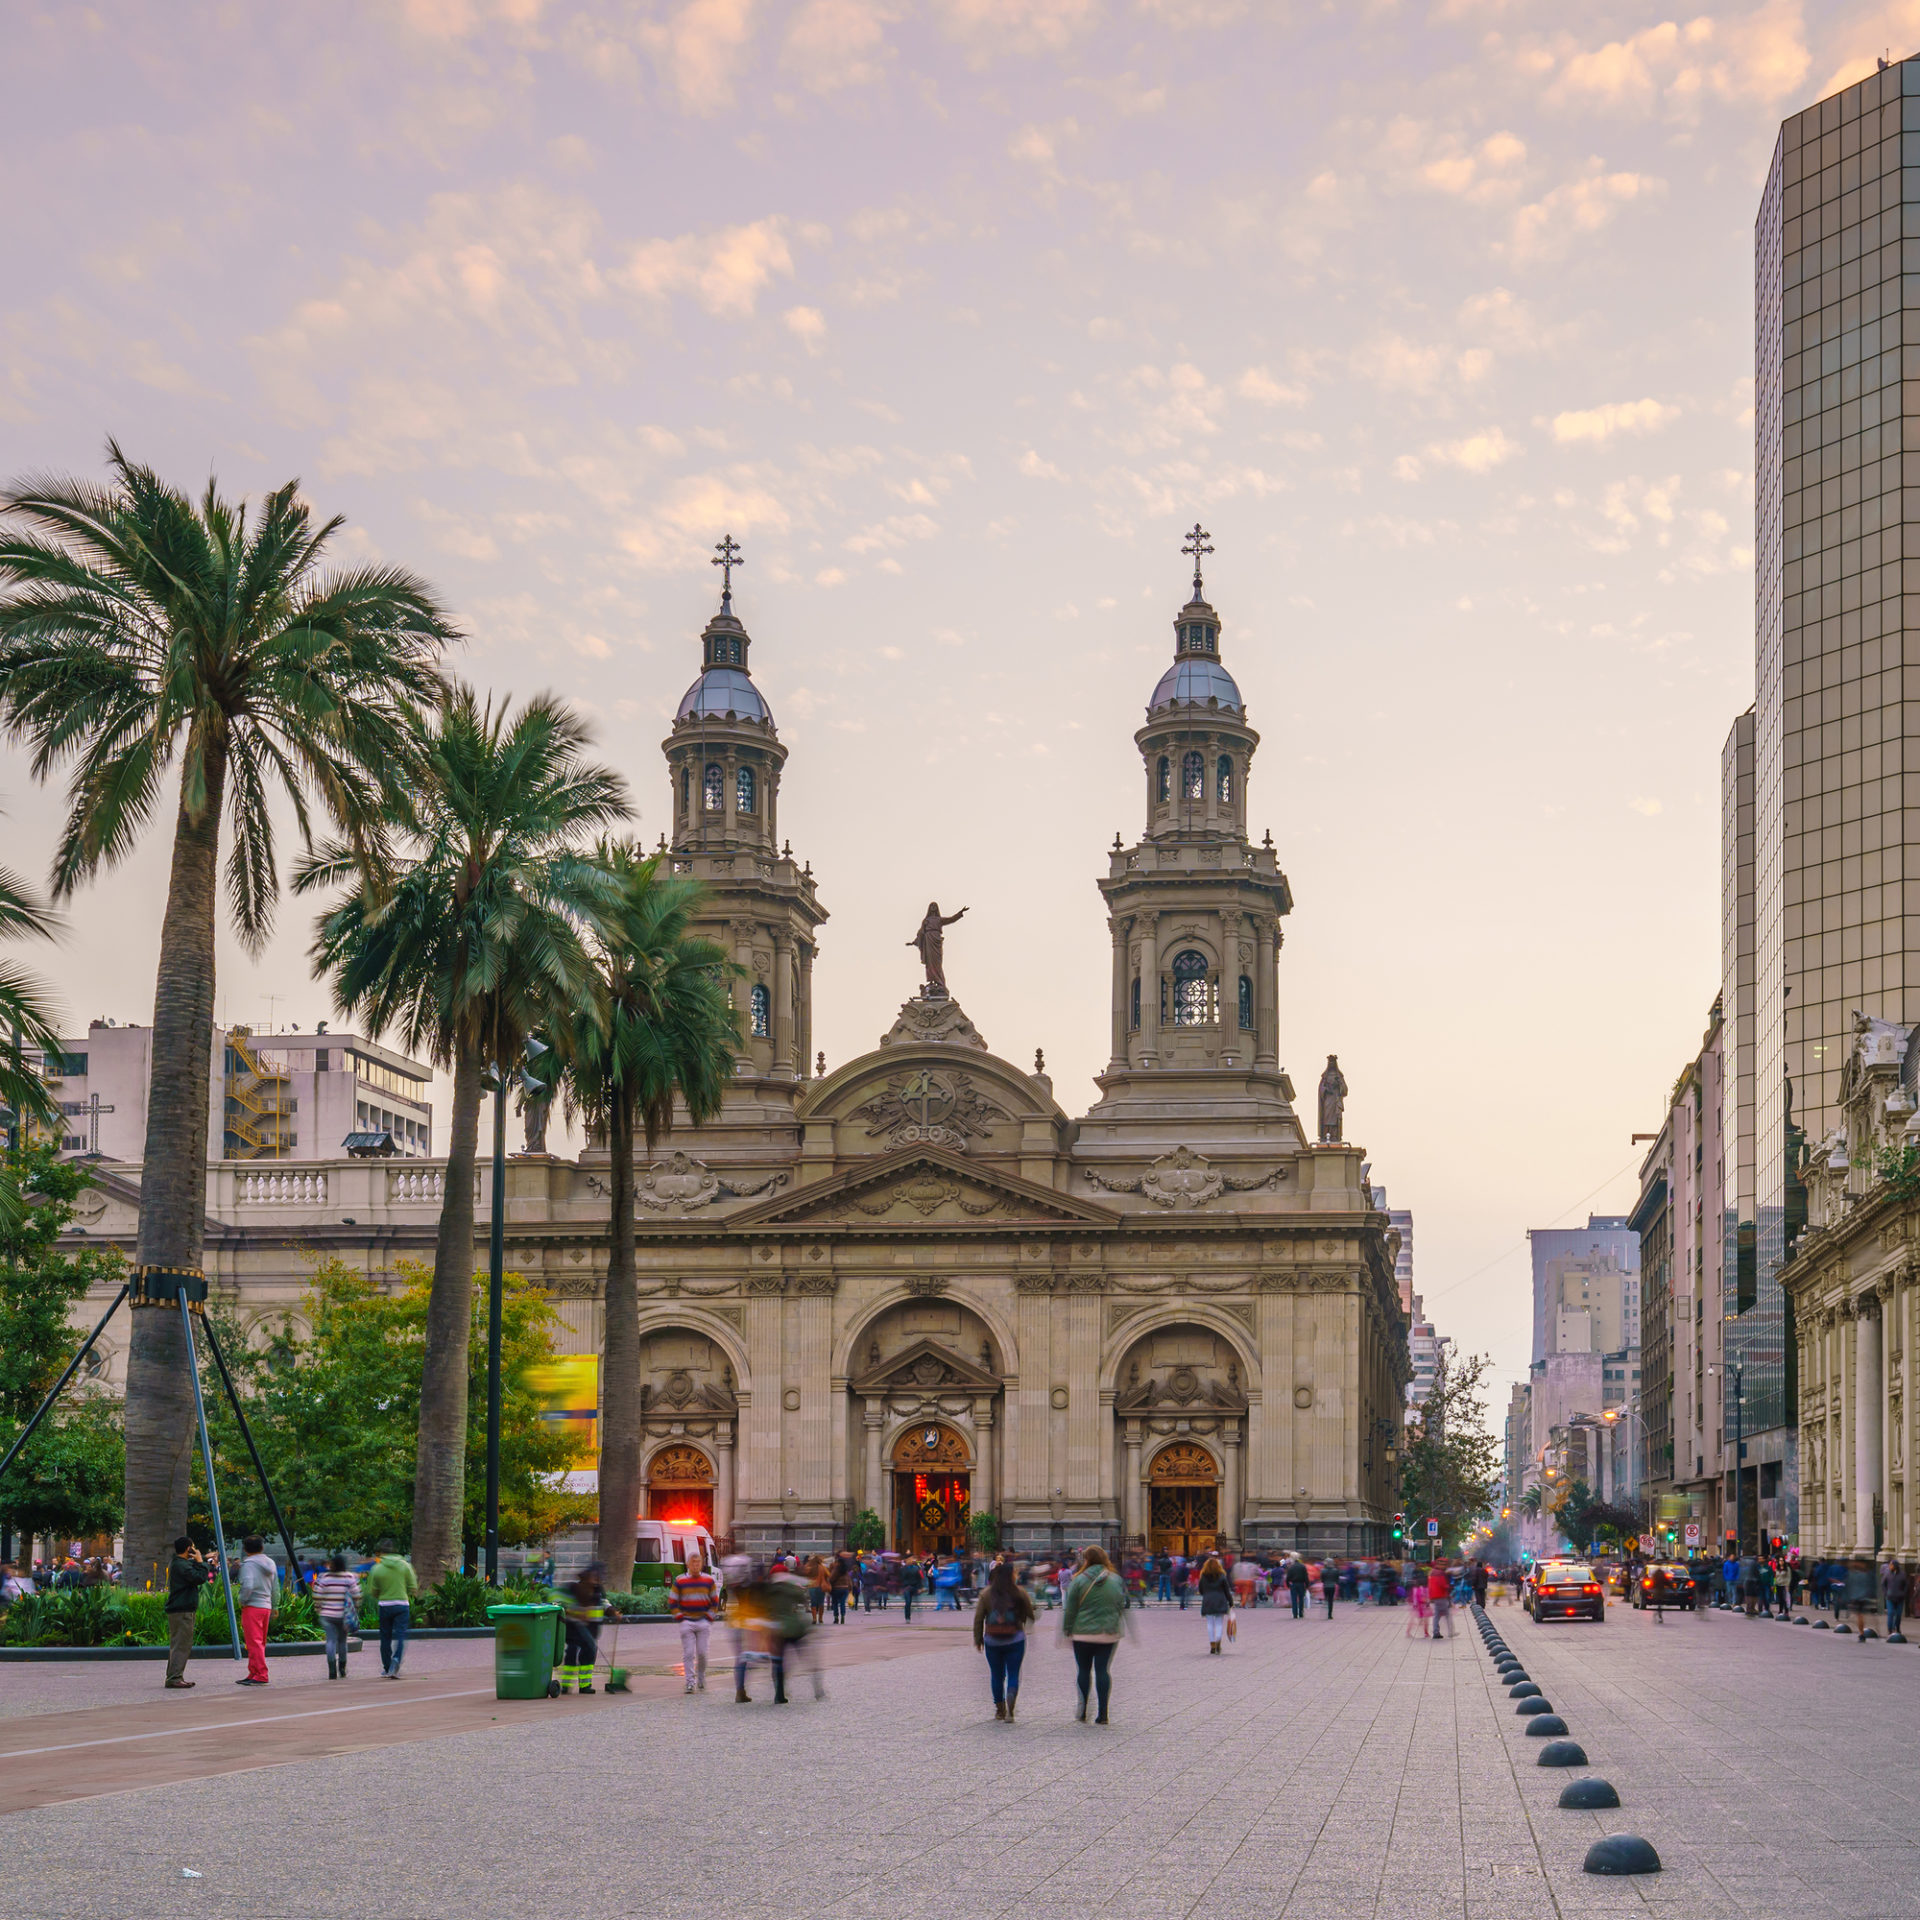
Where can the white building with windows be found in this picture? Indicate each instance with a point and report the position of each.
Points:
(278, 1096)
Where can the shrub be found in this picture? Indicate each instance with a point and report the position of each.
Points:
(649, 1600)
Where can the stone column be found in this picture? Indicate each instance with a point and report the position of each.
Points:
(983, 1488)
(782, 1002)
(876, 1416)
(740, 932)
(803, 1016)
(1149, 925)
(1266, 1018)
(1122, 923)
(1868, 1401)
(1132, 1519)
(1230, 1027)
(1230, 1499)
(722, 1482)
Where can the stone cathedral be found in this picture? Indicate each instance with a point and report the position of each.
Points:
(916, 1284)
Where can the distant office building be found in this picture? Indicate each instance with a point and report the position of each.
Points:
(1586, 1287)
(1401, 1219)
(281, 1096)
(1429, 1351)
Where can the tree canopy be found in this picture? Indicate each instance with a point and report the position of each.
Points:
(1451, 1462)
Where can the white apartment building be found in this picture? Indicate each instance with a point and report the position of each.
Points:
(276, 1096)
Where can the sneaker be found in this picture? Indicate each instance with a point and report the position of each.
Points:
(700, 1685)
(688, 1688)
(249, 1681)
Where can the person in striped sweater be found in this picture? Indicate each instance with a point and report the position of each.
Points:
(336, 1598)
(695, 1594)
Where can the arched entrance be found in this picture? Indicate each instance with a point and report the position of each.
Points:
(1183, 1500)
(680, 1485)
(932, 1489)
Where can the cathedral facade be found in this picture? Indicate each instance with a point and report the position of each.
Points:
(918, 1286)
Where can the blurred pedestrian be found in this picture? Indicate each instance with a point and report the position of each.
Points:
(946, 1584)
(694, 1596)
(1859, 1591)
(911, 1581)
(336, 1599)
(1416, 1607)
(586, 1607)
(1297, 1584)
(819, 1586)
(787, 1629)
(1893, 1595)
(1216, 1600)
(258, 1576)
(1246, 1578)
(1001, 1617)
(1329, 1583)
(1440, 1598)
(842, 1585)
(1478, 1581)
(393, 1583)
(1092, 1618)
(187, 1573)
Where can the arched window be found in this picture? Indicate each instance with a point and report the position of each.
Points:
(1223, 781)
(1136, 1003)
(1191, 997)
(1165, 788)
(744, 790)
(761, 1003)
(1193, 777)
(714, 787)
(1246, 1004)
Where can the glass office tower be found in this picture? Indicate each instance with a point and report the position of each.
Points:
(1835, 913)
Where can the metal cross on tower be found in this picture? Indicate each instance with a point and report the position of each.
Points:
(727, 557)
(94, 1108)
(1197, 544)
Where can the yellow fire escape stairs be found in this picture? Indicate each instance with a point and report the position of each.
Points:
(259, 1102)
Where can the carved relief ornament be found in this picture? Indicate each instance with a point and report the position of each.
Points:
(1183, 1179)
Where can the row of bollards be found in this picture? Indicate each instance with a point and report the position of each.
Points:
(1617, 1852)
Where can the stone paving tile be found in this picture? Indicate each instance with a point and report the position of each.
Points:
(1318, 1769)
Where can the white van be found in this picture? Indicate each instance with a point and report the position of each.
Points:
(671, 1540)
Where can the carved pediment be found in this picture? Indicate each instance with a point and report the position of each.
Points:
(927, 1367)
(924, 1187)
(681, 1393)
(1185, 1389)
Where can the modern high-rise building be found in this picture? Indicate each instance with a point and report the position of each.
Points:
(1832, 926)
(1400, 1221)
(1586, 1287)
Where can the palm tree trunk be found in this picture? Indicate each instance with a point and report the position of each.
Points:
(620, 1490)
(173, 1189)
(440, 1469)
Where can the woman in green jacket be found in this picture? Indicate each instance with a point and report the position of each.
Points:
(1092, 1618)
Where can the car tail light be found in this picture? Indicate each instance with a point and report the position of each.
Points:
(1589, 1589)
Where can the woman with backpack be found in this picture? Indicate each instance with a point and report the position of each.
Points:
(1216, 1600)
(1092, 1618)
(1001, 1617)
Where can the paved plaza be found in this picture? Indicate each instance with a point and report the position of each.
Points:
(1317, 1769)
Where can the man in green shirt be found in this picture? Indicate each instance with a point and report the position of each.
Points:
(393, 1583)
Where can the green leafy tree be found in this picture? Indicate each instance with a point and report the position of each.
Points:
(467, 943)
(1451, 1462)
(335, 1414)
(866, 1533)
(149, 643)
(660, 1029)
(56, 1484)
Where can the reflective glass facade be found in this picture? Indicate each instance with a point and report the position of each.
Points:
(1835, 914)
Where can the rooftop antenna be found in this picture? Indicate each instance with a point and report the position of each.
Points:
(726, 558)
(1197, 543)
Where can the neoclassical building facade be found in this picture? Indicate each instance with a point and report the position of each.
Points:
(917, 1285)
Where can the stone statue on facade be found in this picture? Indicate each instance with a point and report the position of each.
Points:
(533, 1113)
(931, 941)
(1333, 1102)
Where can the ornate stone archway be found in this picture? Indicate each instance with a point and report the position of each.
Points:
(933, 1487)
(1183, 1488)
(681, 1483)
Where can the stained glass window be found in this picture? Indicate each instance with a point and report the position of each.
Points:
(1223, 782)
(1192, 997)
(1166, 778)
(1193, 777)
(744, 791)
(1246, 1004)
(715, 788)
(761, 1003)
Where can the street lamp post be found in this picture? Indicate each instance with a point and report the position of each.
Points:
(1739, 1455)
(503, 1083)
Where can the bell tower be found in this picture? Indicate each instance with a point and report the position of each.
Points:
(724, 765)
(1195, 909)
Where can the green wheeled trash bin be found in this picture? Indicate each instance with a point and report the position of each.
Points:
(526, 1649)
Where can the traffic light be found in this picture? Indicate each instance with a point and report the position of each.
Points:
(1399, 1528)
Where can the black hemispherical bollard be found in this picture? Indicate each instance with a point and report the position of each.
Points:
(1588, 1795)
(1622, 1853)
(1533, 1703)
(1562, 1753)
(1521, 1688)
(1544, 1724)
(1823, 1626)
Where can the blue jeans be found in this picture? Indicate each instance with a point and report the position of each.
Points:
(1166, 1586)
(945, 1597)
(336, 1631)
(839, 1606)
(395, 1617)
(1003, 1667)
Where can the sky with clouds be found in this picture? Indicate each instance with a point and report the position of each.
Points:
(954, 314)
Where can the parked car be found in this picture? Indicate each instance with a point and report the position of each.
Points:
(1664, 1583)
(1566, 1590)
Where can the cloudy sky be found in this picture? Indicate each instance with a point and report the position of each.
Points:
(954, 314)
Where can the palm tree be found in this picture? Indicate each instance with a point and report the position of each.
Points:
(664, 1028)
(26, 1021)
(467, 942)
(1529, 1502)
(141, 633)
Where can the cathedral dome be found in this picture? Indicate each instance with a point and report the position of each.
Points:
(725, 690)
(1196, 681)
